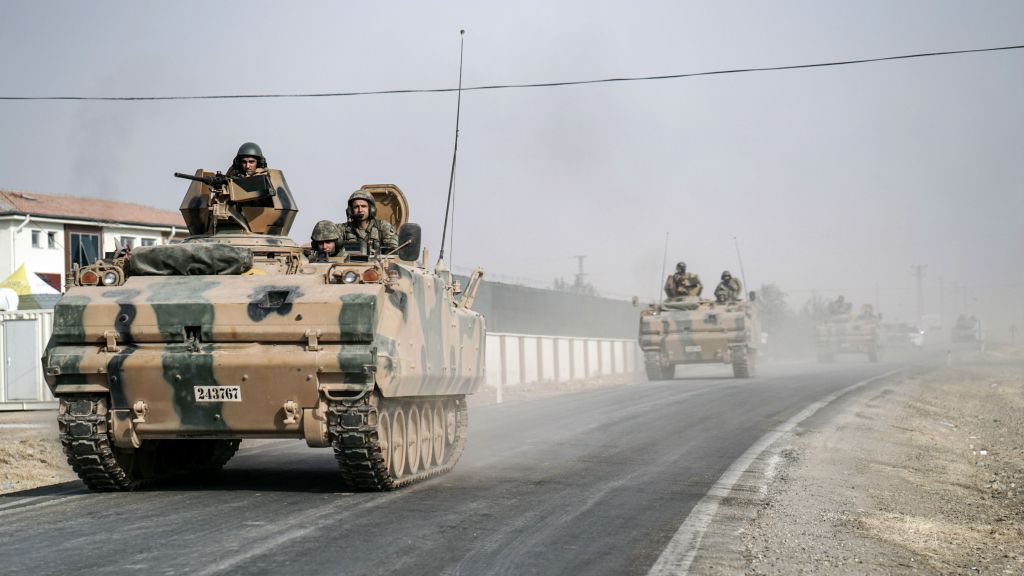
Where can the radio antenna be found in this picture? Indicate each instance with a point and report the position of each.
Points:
(743, 275)
(664, 259)
(455, 152)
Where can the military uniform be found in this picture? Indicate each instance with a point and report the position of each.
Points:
(728, 290)
(683, 284)
(379, 236)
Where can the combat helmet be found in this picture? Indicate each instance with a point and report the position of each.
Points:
(361, 195)
(681, 267)
(249, 149)
(325, 230)
(726, 275)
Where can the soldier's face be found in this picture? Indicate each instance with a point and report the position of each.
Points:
(248, 163)
(328, 246)
(360, 210)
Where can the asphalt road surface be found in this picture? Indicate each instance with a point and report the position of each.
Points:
(596, 482)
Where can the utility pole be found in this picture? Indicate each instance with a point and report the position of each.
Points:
(919, 273)
(580, 276)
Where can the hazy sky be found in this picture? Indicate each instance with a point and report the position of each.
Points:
(831, 178)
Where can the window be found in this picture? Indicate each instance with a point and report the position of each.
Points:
(35, 238)
(51, 240)
(85, 248)
(148, 241)
(128, 242)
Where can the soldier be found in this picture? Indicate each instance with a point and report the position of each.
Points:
(839, 306)
(682, 283)
(248, 162)
(729, 289)
(363, 226)
(324, 240)
(867, 312)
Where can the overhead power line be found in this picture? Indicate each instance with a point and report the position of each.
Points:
(510, 86)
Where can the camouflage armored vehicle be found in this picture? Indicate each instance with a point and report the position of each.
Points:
(847, 333)
(164, 358)
(694, 330)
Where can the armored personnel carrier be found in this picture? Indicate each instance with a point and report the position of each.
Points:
(967, 332)
(694, 330)
(846, 333)
(163, 359)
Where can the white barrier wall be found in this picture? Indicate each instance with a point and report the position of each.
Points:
(517, 359)
(23, 337)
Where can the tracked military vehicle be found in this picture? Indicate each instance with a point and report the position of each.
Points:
(694, 330)
(163, 359)
(845, 333)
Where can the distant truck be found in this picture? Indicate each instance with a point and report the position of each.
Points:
(692, 330)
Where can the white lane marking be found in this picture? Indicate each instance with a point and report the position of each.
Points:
(678, 554)
(22, 426)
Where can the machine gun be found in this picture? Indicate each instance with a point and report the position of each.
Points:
(218, 180)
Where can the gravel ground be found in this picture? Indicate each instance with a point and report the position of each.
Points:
(30, 454)
(920, 474)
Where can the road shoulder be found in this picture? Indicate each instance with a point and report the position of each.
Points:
(918, 473)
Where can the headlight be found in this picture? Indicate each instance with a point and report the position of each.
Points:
(110, 278)
(350, 277)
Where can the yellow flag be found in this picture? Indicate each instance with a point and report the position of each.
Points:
(18, 281)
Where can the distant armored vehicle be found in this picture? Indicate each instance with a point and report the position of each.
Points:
(692, 330)
(901, 336)
(164, 358)
(846, 333)
(967, 330)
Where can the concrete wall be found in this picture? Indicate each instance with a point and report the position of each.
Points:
(515, 309)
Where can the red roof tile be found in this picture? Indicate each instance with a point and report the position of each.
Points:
(87, 209)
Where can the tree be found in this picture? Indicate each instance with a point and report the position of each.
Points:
(776, 314)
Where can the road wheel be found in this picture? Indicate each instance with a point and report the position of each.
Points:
(426, 435)
(398, 441)
(439, 433)
(450, 422)
(384, 437)
(412, 440)
(742, 363)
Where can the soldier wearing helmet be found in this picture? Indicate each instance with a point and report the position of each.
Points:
(324, 240)
(378, 236)
(683, 283)
(729, 289)
(249, 161)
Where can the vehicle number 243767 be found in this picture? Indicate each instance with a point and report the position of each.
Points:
(218, 393)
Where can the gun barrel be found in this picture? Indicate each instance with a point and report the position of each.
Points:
(189, 177)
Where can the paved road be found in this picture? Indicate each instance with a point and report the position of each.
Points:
(595, 482)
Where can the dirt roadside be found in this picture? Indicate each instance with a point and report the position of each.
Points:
(30, 453)
(920, 474)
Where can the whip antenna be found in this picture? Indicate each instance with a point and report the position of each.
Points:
(743, 274)
(664, 259)
(455, 152)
